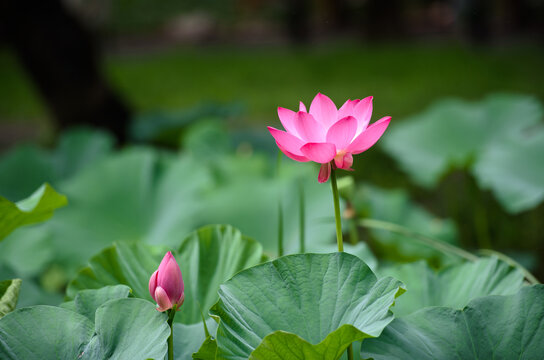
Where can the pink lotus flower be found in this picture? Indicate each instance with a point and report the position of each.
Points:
(166, 284)
(325, 133)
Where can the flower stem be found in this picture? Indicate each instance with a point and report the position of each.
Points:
(171, 315)
(334, 187)
(530, 277)
(280, 209)
(441, 246)
(338, 219)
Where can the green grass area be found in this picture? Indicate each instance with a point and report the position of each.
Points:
(403, 78)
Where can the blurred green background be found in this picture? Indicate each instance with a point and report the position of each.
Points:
(175, 99)
(403, 77)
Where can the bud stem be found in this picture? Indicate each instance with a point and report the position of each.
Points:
(171, 315)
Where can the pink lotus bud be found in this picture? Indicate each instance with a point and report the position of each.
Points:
(166, 284)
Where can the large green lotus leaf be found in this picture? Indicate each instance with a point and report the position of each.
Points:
(9, 294)
(513, 170)
(451, 133)
(43, 332)
(87, 301)
(284, 345)
(361, 250)
(36, 208)
(189, 338)
(491, 327)
(130, 264)
(311, 304)
(454, 286)
(396, 207)
(207, 350)
(208, 257)
(128, 329)
(122, 329)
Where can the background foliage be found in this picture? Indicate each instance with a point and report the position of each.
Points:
(174, 99)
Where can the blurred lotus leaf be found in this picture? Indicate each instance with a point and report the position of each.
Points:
(456, 134)
(454, 286)
(36, 208)
(514, 169)
(395, 206)
(9, 294)
(26, 167)
(490, 327)
(167, 127)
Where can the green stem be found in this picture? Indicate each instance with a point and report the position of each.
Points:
(338, 220)
(436, 244)
(171, 315)
(280, 210)
(206, 331)
(337, 217)
(507, 259)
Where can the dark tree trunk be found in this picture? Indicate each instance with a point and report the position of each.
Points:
(382, 19)
(297, 20)
(62, 60)
(339, 15)
(477, 17)
(526, 17)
